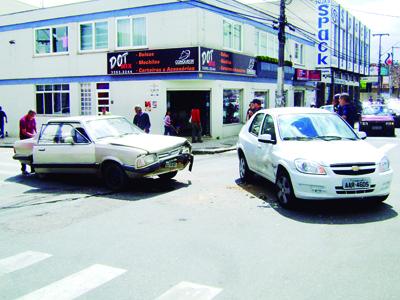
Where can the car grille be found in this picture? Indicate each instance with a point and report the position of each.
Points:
(169, 153)
(341, 191)
(353, 169)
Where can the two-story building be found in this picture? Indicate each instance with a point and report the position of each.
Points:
(109, 55)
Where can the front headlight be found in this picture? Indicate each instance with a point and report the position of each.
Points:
(389, 123)
(145, 160)
(309, 167)
(185, 150)
(384, 165)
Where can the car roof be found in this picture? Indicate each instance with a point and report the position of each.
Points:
(76, 119)
(294, 110)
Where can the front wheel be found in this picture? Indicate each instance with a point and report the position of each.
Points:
(168, 176)
(285, 193)
(114, 176)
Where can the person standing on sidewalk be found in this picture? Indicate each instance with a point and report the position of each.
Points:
(196, 125)
(27, 130)
(168, 128)
(2, 117)
(347, 110)
(142, 119)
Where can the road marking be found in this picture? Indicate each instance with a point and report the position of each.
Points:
(20, 261)
(76, 284)
(386, 148)
(190, 291)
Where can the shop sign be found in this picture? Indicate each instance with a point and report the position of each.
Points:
(323, 34)
(308, 75)
(218, 61)
(175, 60)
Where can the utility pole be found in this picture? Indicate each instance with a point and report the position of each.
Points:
(280, 91)
(380, 35)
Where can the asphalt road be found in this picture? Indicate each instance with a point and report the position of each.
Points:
(203, 236)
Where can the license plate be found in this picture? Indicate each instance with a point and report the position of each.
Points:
(377, 127)
(356, 184)
(171, 164)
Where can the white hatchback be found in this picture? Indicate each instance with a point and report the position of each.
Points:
(312, 154)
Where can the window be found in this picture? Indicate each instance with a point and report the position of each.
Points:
(51, 40)
(62, 134)
(272, 45)
(131, 32)
(232, 106)
(261, 43)
(269, 127)
(86, 99)
(263, 96)
(93, 36)
(256, 125)
(299, 53)
(52, 99)
(232, 36)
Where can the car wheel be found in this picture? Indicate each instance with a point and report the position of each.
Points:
(244, 171)
(285, 194)
(114, 176)
(168, 176)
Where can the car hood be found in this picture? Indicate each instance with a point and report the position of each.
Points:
(331, 152)
(367, 118)
(148, 142)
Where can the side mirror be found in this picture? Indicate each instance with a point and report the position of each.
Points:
(266, 139)
(362, 135)
(69, 140)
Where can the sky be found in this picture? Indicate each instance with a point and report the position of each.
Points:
(378, 24)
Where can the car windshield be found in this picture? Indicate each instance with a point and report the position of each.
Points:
(111, 127)
(304, 127)
(377, 110)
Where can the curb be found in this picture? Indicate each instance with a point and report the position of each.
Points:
(212, 151)
(6, 145)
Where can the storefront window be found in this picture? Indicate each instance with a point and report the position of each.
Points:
(52, 99)
(232, 106)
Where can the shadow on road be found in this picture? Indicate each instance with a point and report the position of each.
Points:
(92, 186)
(337, 212)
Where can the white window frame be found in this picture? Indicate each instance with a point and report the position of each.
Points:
(233, 23)
(130, 18)
(53, 92)
(259, 36)
(300, 58)
(86, 98)
(51, 53)
(94, 36)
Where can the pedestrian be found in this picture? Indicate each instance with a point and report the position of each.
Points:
(141, 119)
(195, 120)
(249, 113)
(347, 110)
(168, 128)
(3, 117)
(27, 130)
(335, 103)
(256, 105)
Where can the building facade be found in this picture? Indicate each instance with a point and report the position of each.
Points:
(343, 51)
(164, 55)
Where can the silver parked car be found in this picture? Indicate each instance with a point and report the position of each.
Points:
(109, 146)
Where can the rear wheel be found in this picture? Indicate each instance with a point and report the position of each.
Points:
(285, 193)
(168, 176)
(114, 176)
(244, 171)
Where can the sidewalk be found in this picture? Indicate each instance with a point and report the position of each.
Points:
(209, 146)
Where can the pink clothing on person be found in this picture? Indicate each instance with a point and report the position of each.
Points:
(28, 125)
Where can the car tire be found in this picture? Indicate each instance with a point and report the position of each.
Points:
(285, 193)
(244, 172)
(168, 176)
(114, 176)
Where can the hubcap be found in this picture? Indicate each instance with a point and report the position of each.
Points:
(242, 168)
(283, 190)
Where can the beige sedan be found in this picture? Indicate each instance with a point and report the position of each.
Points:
(109, 146)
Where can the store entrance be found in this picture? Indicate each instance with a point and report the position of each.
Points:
(180, 104)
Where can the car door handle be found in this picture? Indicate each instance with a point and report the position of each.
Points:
(41, 149)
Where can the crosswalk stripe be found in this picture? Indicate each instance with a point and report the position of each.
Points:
(76, 284)
(190, 291)
(386, 148)
(20, 261)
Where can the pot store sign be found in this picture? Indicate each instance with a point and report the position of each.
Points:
(323, 36)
